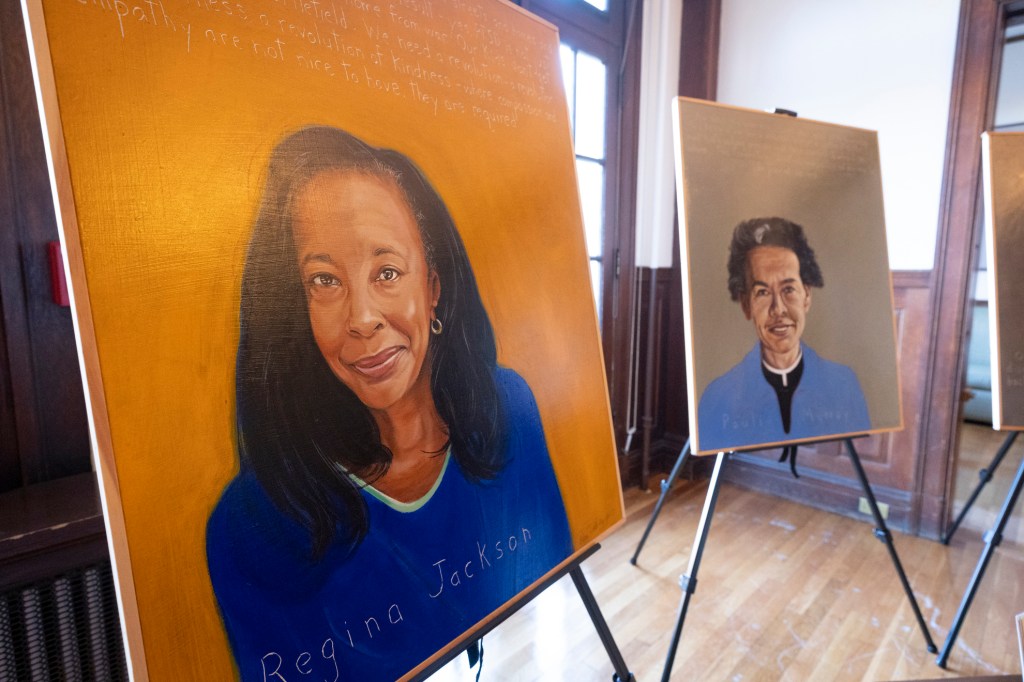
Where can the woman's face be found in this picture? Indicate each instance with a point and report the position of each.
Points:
(777, 302)
(369, 290)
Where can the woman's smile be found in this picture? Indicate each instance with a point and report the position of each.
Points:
(380, 365)
(781, 328)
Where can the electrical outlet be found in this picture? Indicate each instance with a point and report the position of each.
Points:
(864, 508)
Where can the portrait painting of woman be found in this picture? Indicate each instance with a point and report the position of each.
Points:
(394, 483)
(776, 206)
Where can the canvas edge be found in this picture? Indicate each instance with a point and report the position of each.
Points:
(988, 201)
(988, 139)
(684, 263)
(606, 397)
(900, 423)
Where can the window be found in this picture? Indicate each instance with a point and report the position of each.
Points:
(1009, 113)
(585, 77)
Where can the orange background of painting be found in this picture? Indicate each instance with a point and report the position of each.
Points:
(167, 133)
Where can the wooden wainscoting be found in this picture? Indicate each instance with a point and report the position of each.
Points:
(891, 460)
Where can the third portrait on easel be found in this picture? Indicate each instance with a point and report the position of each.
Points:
(1004, 222)
(786, 283)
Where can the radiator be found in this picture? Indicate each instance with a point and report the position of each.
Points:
(62, 629)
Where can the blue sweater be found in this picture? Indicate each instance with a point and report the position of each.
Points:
(740, 408)
(424, 574)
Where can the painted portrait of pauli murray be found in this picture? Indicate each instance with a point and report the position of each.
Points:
(782, 390)
(394, 483)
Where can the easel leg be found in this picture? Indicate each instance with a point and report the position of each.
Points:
(986, 476)
(666, 485)
(688, 581)
(992, 540)
(883, 534)
(622, 673)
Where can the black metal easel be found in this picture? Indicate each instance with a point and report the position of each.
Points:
(472, 638)
(985, 475)
(666, 485)
(992, 540)
(688, 581)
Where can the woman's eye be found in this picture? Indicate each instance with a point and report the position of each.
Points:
(388, 275)
(323, 279)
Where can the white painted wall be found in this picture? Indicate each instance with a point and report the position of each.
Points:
(884, 65)
(655, 172)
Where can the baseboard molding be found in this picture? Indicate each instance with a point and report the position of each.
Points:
(817, 489)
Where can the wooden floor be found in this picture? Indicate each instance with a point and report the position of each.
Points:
(785, 592)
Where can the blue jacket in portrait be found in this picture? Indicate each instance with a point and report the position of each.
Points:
(425, 573)
(740, 408)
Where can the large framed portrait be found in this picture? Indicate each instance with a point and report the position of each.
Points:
(1003, 170)
(786, 285)
(339, 418)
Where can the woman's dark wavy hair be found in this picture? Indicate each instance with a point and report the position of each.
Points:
(297, 422)
(750, 234)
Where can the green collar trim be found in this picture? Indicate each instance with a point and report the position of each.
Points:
(397, 505)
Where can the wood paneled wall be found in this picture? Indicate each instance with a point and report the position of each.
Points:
(43, 428)
(50, 519)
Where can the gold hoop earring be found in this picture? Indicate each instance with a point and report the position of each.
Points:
(436, 327)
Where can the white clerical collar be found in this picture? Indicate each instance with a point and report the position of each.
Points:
(784, 373)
